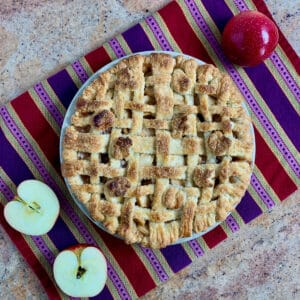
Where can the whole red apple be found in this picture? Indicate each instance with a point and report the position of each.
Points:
(249, 38)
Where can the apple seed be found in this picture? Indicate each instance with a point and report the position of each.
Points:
(33, 205)
(80, 272)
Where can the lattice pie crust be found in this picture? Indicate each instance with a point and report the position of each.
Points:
(159, 148)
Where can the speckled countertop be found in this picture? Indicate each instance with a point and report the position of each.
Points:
(39, 37)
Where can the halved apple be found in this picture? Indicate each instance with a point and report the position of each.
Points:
(80, 271)
(34, 210)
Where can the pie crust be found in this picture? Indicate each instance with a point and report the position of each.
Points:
(158, 148)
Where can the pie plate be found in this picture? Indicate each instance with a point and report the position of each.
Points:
(67, 122)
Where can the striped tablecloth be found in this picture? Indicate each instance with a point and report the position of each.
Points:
(30, 129)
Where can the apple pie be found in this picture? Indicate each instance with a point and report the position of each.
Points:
(158, 148)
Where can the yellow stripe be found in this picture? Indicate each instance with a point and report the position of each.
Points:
(189, 251)
(53, 97)
(277, 76)
(279, 51)
(20, 151)
(123, 44)
(147, 264)
(63, 215)
(110, 51)
(203, 244)
(44, 111)
(74, 76)
(257, 96)
(150, 36)
(226, 228)
(163, 262)
(233, 8)
(14, 143)
(56, 177)
(166, 32)
(47, 266)
(266, 186)
(250, 5)
(257, 199)
(199, 34)
(86, 66)
(284, 87)
(285, 59)
(9, 183)
(238, 218)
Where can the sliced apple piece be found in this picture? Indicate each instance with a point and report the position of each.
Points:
(34, 210)
(80, 271)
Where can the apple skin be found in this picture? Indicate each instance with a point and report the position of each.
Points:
(249, 38)
(66, 268)
(25, 220)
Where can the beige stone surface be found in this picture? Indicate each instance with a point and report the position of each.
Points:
(39, 37)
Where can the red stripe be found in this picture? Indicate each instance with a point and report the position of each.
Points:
(130, 262)
(18, 239)
(39, 129)
(290, 52)
(97, 58)
(215, 236)
(38, 126)
(182, 32)
(271, 169)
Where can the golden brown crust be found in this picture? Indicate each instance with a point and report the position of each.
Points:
(104, 120)
(121, 147)
(204, 176)
(218, 143)
(158, 148)
(180, 125)
(117, 187)
(173, 198)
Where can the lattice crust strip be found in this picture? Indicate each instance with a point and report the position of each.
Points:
(159, 148)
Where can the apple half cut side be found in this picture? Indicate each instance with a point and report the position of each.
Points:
(80, 271)
(34, 210)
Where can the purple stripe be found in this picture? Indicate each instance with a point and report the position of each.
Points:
(232, 223)
(267, 125)
(285, 74)
(64, 86)
(195, 246)
(163, 276)
(176, 257)
(105, 294)
(48, 103)
(158, 33)
(60, 228)
(248, 208)
(44, 249)
(5, 190)
(277, 62)
(39, 242)
(80, 71)
(137, 39)
(264, 196)
(114, 277)
(262, 79)
(117, 48)
(276, 100)
(241, 5)
(65, 205)
(19, 172)
(243, 87)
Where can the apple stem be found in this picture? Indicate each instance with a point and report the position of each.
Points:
(80, 272)
(34, 206)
